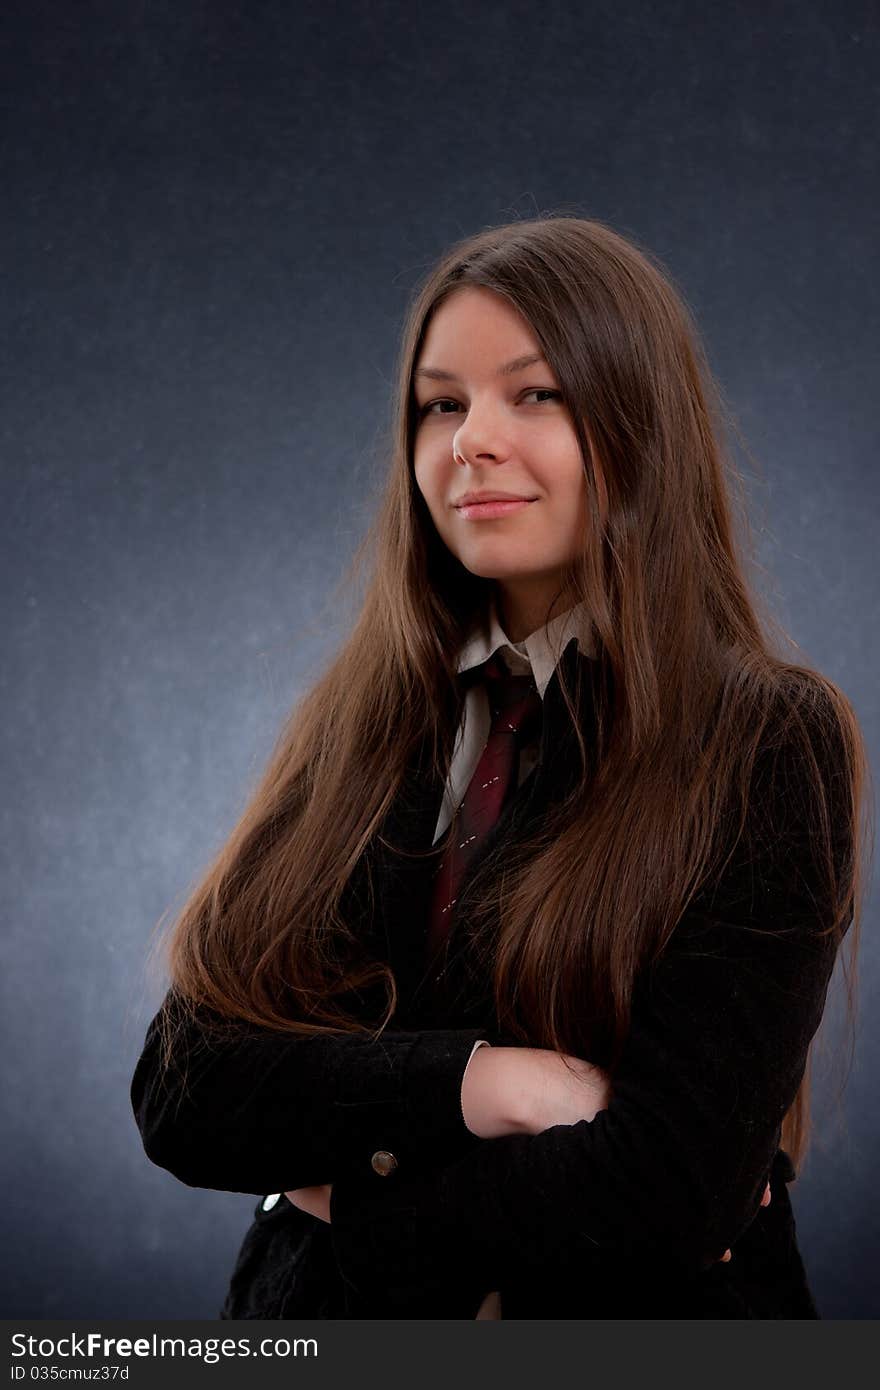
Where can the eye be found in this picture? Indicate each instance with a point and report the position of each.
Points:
(544, 391)
(429, 408)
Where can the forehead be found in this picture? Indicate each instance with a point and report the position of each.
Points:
(474, 324)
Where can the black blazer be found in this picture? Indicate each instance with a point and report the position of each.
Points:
(624, 1216)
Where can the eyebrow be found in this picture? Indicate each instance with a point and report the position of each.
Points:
(517, 365)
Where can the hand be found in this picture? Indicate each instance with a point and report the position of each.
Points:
(490, 1306)
(765, 1202)
(313, 1200)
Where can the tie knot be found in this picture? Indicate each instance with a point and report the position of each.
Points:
(514, 701)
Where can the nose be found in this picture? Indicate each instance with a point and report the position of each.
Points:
(480, 438)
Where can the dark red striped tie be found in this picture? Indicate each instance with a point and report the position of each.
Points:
(516, 709)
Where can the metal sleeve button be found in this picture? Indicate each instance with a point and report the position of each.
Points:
(383, 1162)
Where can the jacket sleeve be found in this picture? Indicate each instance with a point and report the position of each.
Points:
(261, 1112)
(673, 1171)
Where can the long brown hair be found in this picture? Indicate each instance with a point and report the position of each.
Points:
(687, 688)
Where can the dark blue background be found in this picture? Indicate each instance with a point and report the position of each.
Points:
(212, 217)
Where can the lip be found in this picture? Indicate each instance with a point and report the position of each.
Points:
(490, 495)
(495, 507)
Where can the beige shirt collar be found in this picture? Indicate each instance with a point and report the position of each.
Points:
(540, 651)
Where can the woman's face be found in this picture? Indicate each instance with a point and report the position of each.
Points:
(488, 422)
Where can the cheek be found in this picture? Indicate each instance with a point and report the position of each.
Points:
(426, 485)
(430, 479)
(572, 509)
(566, 481)
(422, 476)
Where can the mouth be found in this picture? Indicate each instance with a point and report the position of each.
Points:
(495, 507)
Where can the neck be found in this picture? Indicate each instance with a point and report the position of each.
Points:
(522, 611)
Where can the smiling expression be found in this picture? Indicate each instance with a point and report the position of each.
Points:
(491, 418)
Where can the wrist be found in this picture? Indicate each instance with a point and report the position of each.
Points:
(544, 1088)
(493, 1100)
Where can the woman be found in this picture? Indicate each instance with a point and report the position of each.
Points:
(557, 795)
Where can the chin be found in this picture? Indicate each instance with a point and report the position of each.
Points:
(499, 565)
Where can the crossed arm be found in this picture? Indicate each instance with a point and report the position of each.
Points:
(673, 1163)
(513, 1091)
(671, 1171)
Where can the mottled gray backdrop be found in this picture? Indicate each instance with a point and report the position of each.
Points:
(212, 216)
